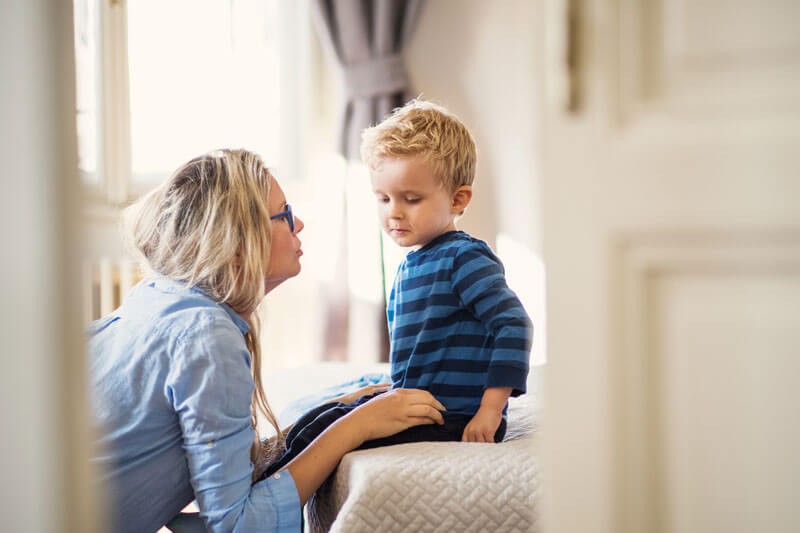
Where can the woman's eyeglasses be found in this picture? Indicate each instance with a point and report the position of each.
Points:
(287, 215)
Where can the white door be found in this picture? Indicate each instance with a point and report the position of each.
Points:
(671, 194)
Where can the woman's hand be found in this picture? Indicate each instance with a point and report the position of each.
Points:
(366, 391)
(381, 416)
(394, 411)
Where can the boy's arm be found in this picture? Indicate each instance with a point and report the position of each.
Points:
(484, 424)
(478, 280)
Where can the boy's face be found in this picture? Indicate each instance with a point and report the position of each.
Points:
(413, 206)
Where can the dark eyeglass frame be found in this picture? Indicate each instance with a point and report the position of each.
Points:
(287, 215)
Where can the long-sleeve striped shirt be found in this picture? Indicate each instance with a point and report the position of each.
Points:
(455, 326)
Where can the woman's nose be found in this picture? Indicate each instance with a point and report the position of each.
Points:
(298, 224)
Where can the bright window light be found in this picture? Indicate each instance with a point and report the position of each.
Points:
(525, 275)
(203, 75)
(86, 88)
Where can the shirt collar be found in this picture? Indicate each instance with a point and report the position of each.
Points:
(236, 317)
(436, 241)
(167, 285)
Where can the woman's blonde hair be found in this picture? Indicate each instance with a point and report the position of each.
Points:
(428, 131)
(205, 227)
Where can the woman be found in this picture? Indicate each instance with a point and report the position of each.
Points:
(175, 371)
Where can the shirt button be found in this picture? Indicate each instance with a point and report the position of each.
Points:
(277, 475)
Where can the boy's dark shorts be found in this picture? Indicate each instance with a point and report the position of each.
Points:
(309, 426)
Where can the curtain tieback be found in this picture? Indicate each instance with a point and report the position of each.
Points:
(376, 77)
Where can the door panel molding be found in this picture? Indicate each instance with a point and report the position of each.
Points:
(641, 265)
(689, 60)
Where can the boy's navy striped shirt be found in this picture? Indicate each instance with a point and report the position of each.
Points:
(455, 326)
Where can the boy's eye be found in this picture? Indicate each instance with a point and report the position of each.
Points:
(412, 200)
(383, 199)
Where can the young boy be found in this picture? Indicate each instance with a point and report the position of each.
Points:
(456, 329)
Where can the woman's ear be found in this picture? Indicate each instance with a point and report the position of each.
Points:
(461, 199)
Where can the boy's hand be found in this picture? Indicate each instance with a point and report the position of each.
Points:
(483, 425)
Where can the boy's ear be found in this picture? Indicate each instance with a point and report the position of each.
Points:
(461, 198)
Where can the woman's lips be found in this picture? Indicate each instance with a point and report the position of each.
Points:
(299, 252)
(399, 231)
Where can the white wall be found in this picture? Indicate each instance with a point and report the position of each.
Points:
(477, 59)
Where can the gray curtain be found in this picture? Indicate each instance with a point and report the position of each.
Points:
(366, 37)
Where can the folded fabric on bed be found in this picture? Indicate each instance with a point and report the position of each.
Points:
(298, 407)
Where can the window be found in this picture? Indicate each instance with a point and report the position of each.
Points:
(203, 74)
(86, 73)
(159, 82)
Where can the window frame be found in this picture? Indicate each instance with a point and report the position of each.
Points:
(114, 187)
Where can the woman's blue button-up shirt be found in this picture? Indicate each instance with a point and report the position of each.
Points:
(171, 386)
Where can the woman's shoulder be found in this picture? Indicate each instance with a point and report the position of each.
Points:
(168, 306)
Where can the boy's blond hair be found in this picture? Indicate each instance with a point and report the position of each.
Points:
(428, 131)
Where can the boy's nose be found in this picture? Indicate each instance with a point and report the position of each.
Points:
(298, 224)
(395, 211)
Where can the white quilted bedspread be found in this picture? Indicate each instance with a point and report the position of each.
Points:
(435, 487)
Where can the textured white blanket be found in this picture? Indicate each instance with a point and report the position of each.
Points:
(436, 486)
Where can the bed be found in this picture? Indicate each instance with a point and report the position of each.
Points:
(427, 486)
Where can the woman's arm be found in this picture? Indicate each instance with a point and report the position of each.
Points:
(345, 398)
(210, 390)
(382, 416)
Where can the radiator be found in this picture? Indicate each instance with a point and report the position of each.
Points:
(106, 282)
